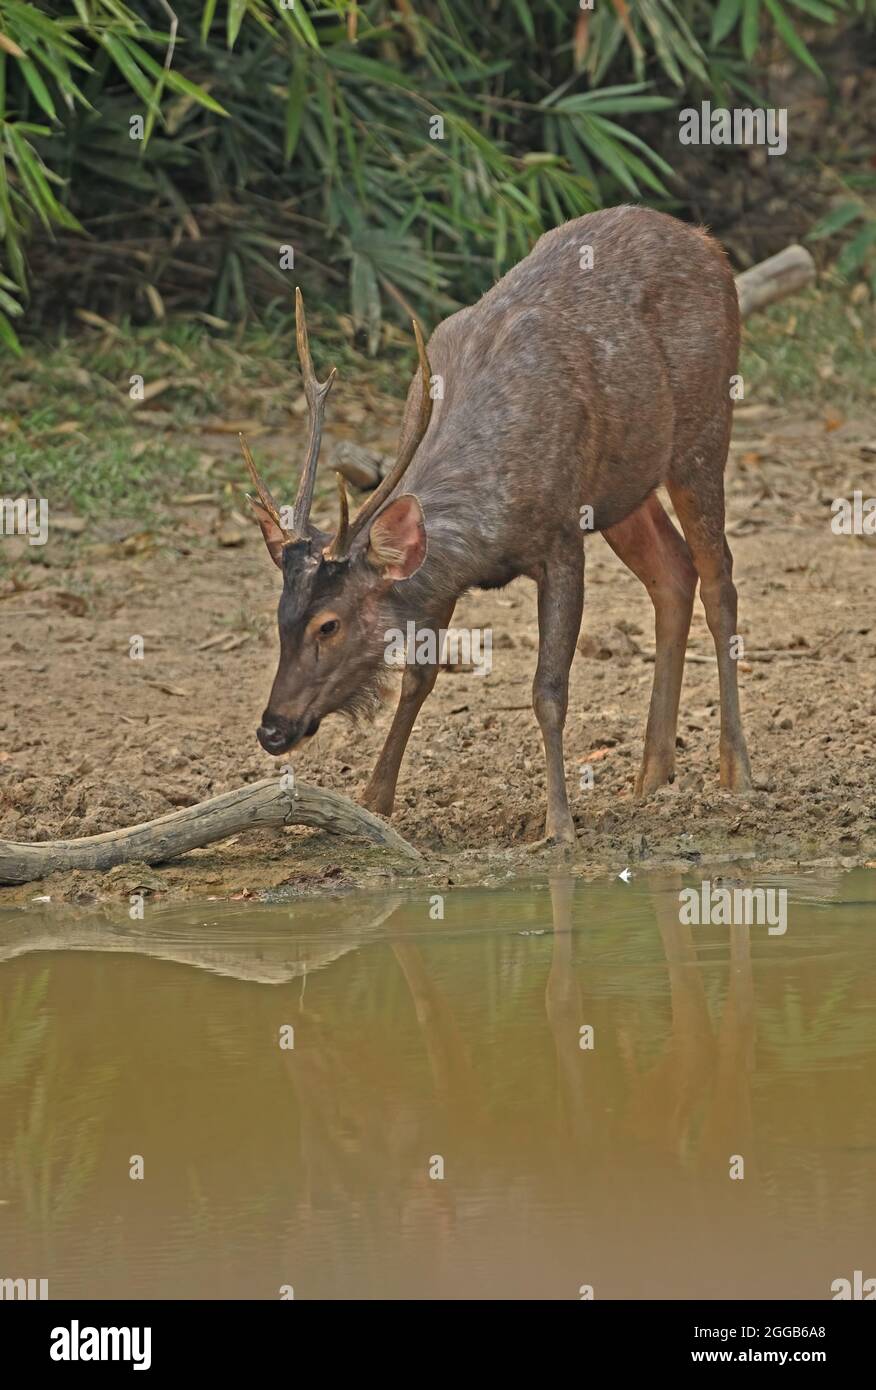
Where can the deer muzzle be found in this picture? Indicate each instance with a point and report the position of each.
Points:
(277, 734)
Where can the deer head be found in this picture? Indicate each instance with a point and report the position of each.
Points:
(333, 607)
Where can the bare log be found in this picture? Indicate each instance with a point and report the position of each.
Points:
(791, 270)
(362, 467)
(268, 802)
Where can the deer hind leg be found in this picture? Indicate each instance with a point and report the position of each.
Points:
(417, 683)
(697, 494)
(560, 603)
(650, 546)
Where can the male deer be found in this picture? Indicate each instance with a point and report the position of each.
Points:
(564, 388)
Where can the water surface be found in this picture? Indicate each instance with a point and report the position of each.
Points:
(422, 1043)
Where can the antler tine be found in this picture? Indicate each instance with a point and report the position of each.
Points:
(339, 542)
(406, 454)
(264, 495)
(316, 392)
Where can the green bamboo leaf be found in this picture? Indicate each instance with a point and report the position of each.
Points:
(34, 176)
(817, 10)
(614, 106)
(750, 28)
(660, 31)
(608, 152)
(500, 240)
(329, 124)
(550, 197)
(684, 43)
(524, 14)
(174, 80)
(853, 256)
(791, 38)
(602, 55)
(236, 13)
(476, 138)
(11, 306)
(725, 18)
(358, 63)
(574, 152)
(133, 75)
(32, 77)
(207, 17)
(526, 204)
(835, 220)
(8, 336)
(619, 89)
(297, 20)
(619, 132)
(295, 99)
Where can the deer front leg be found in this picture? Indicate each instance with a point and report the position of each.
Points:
(417, 683)
(560, 602)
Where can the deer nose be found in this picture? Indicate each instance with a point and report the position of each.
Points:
(276, 734)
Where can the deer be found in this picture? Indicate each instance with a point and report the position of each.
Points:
(573, 389)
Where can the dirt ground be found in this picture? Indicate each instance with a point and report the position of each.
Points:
(92, 740)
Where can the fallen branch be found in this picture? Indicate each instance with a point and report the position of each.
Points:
(791, 270)
(263, 803)
(362, 467)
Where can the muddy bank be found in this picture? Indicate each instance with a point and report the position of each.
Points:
(92, 740)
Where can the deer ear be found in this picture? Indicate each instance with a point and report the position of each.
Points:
(273, 534)
(397, 539)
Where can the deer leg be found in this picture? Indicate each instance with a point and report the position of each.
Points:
(560, 602)
(417, 683)
(652, 548)
(701, 513)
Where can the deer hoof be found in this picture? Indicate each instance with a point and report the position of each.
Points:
(381, 805)
(652, 778)
(563, 841)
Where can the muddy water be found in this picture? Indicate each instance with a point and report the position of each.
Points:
(423, 1043)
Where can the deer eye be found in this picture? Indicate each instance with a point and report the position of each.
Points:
(327, 628)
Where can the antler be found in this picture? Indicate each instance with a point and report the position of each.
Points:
(265, 497)
(347, 532)
(339, 544)
(316, 392)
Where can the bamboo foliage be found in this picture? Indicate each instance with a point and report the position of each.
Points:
(410, 150)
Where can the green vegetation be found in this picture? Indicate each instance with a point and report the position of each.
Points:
(815, 349)
(309, 126)
(72, 433)
(172, 163)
